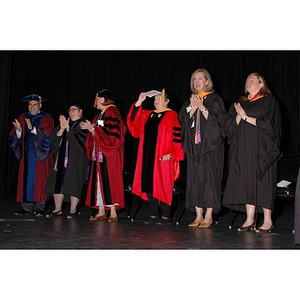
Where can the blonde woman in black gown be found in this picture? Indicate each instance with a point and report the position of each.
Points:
(202, 136)
(253, 129)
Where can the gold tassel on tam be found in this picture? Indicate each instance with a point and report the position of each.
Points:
(163, 95)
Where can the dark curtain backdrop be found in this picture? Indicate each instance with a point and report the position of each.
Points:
(64, 76)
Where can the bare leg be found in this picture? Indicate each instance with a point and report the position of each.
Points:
(199, 216)
(249, 224)
(208, 215)
(58, 200)
(250, 210)
(101, 211)
(267, 219)
(113, 212)
(74, 203)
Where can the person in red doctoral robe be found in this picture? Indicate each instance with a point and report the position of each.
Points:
(29, 139)
(159, 153)
(105, 149)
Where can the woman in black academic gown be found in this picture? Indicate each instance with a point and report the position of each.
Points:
(253, 128)
(202, 136)
(67, 175)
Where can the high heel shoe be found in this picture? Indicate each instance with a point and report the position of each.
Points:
(58, 213)
(203, 224)
(247, 228)
(194, 224)
(259, 230)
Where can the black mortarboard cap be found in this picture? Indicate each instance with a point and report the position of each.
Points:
(106, 94)
(77, 104)
(34, 97)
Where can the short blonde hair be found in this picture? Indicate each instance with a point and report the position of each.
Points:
(209, 87)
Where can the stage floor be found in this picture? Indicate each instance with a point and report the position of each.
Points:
(30, 232)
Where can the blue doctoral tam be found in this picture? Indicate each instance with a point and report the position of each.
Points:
(34, 97)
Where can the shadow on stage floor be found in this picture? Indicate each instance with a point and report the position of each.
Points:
(30, 232)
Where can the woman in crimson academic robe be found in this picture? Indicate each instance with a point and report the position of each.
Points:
(159, 153)
(202, 134)
(253, 128)
(105, 149)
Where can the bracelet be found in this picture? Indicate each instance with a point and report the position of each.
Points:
(204, 110)
(246, 118)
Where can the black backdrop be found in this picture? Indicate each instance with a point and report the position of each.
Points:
(63, 76)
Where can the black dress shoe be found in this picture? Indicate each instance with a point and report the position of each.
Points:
(39, 213)
(269, 230)
(164, 220)
(55, 214)
(151, 220)
(247, 228)
(22, 212)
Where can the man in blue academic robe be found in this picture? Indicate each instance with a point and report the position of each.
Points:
(29, 139)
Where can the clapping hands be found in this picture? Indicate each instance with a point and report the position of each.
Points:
(64, 122)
